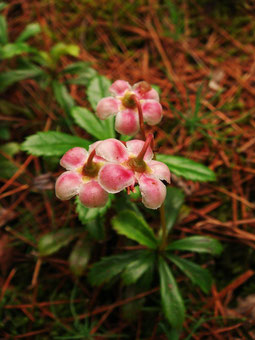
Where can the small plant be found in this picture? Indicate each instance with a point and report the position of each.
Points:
(111, 166)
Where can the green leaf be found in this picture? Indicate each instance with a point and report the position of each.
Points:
(173, 203)
(131, 225)
(98, 89)
(197, 274)
(62, 49)
(84, 77)
(187, 168)
(109, 267)
(88, 214)
(135, 269)
(29, 31)
(80, 256)
(10, 148)
(10, 77)
(52, 143)
(3, 30)
(199, 244)
(2, 5)
(171, 300)
(62, 96)
(52, 242)
(96, 228)
(7, 168)
(77, 67)
(11, 50)
(89, 122)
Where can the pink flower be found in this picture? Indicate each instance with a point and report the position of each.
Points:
(132, 164)
(123, 104)
(81, 177)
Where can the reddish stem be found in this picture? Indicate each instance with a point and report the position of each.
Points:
(90, 159)
(140, 113)
(147, 143)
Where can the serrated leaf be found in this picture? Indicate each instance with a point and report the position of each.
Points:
(98, 89)
(10, 77)
(109, 267)
(80, 256)
(3, 30)
(135, 269)
(173, 203)
(171, 300)
(131, 225)
(50, 243)
(199, 244)
(29, 31)
(197, 274)
(88, 214)
(11, 50)
(187, 168)
(52, 143)
(62, 96)
(89, 122)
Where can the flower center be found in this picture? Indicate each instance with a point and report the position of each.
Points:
(137, 165)
(129, 100)
(91, 170)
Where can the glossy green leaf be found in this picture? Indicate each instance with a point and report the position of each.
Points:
(11, 50)
(80, 256)
(197, 274)
(171, 300)
(135, 269)
(10, 77)
(77, 67)
(98, 89)
(187, 168)
(61, 49)
(199, 244)
(3, 30)
(173, 203)
(84, 77)
(62, 96)
(109, 267)
(52, 143)
(133, 226)
(50, 243)
(89, 122)
(29, 31)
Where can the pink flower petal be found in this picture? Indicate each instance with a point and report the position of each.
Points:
(144, 91)
(68, 185)
(114, 178)
(127, 122)
(135, 146)
(153, 191)
(74, 158)
(152, 112)
(119, 87)
(107, 107)
(92, 195)
(112, 150)
(160, 170)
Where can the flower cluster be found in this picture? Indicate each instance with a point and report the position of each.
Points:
(111, 166)
(125, 104)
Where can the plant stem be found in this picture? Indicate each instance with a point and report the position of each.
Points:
(90, 158)
(140, 113)
(147, 143)
(163, 227)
